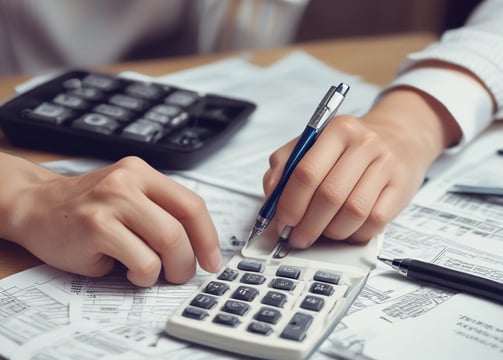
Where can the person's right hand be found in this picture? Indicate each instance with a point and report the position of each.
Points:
(127, 212)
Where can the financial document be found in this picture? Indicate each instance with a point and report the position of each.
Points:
(49, 314)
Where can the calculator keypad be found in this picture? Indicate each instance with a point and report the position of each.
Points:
(108, 116)
(257, 296)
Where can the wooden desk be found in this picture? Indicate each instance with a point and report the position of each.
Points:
(375, 59)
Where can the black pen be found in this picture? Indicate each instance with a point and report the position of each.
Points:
(324, 112)
(452, 279)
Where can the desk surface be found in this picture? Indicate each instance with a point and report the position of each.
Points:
(375, 59)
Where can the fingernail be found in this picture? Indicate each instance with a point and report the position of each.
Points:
(216, 260)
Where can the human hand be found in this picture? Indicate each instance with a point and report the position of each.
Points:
(127, 212)
(361, 173)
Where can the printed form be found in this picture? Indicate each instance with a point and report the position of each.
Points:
(46, 313)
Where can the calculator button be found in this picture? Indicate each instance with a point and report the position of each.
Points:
(167, 110)
(113, 111)
(228, 274)
(204, 301)
(321, 288)
(297, 327)
(72, 83)
(70, 101)
(328, 277)
(282, 284)
(274, 298)
(250, 265)
(216, 288)
(226, 320)
(143, 130)
(268, 315)
(288, 272)
(87, 93)
(252, 278)
(181, 98)
(259, 328)
(235, 307)
(194, 313)
(102, 82)
(127, 102)
(50, 112)
(245, 293)
(145, 91)
(314, 303)
(97, 123)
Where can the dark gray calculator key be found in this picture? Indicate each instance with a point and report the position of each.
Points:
(73, 83)
(288, 272)
(228, 274)
(283, 284)
(168, 110)
(88, 93)
(297, 327)
(321, 288)
(158, 118)
(268, 315)
(145, 91)
(204, 301)
(225, 319)
(127, 102)
(245, 293)
(216, 288)
(314, 303)
(194, 313)
(143, 130)
(102, 82)
(51, 113)
(178, 121)
(274, 298)
(70, 101)
(96, 123)
(250, 265)
(259, 328)
(235, 307)
(181, 98)
(326, 276)
(116, 112)
(252, 278)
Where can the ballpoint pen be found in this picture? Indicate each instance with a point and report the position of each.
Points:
(456, 280)
(321, 117)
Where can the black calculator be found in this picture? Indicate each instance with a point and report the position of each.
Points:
(86, 113)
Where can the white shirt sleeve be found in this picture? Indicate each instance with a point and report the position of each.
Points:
(477, 47)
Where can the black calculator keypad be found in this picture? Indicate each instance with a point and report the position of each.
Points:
(106, 116)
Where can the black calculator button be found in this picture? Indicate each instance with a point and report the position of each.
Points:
(72, 83)
(245, 293)
(274, 298)
(321, 288)
(235, 307)
(297, 327)
(328, 277)
(168, 110)
(228, 274)
(101, 82)
(50, 112)
(252, 278)
(288, 272)
(70, 101)
(116, 112)
(250, 265)
(259, 328)
(181, 98)
(143, 130)
(283, 284)
(268, 315)
(144, 91)
(204, 301)
(97, 123)
(128, 102)
(90, 94)
(194, 313)
(226, 320)
(216, 288)
(314, 303)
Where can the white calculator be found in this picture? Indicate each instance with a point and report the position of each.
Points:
(273, 302)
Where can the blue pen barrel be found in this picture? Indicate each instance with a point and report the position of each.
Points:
(306, 140)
